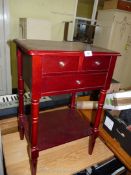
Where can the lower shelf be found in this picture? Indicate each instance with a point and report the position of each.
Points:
(58, 127)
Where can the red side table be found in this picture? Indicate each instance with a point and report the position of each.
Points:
(53, 68)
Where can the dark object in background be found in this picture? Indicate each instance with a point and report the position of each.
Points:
(118, 130)
(95, 95)
(90, 34)
(84, 31)
(66, 30)
(125, 115)
(56, 101)
(109, 168)
(81, 173)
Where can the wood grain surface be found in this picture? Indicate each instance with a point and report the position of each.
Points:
(66, 159)
(116, 148)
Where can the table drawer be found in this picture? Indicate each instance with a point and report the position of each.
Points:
(56, 63)
(72, 82)
(58, 83)
(90, 80)
(96, 63)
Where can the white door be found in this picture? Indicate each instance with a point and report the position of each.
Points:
(5, 73)
(126, 78)
(113, 33)
(122, 26)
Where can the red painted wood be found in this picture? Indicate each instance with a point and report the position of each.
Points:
(73, 101)
(58, 63)
(78, 81)
(34, 151)
(83, 81)
(59, 127)
(20, 93)
(51, 68)
(36, 77)
(34, 123)
(97, 120)
(96, 63)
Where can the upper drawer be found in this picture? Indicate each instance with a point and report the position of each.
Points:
(96, 63)
(58, 63)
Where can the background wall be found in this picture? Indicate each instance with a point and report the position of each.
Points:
(56, 11)
(84, 8)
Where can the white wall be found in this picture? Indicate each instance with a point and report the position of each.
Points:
(56, 11)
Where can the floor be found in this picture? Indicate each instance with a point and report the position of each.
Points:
(65, 159)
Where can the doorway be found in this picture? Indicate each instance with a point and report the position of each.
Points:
(5, 70)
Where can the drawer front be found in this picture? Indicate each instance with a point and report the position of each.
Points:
(124, 5)
(96, 63)
(90, 80)
(52, 84)
(56, 64)
(58, 83)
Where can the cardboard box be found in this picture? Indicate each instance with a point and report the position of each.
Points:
(110, 4)
(118, 129)
(118, 101)
(114, 86)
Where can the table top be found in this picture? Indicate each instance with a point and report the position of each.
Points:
(42, 46)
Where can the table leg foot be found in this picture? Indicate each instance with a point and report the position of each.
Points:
(21, 130)
(21, 133)
(92, 140)
(33, 163)
(33, 153)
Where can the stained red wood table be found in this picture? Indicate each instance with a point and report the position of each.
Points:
(53, 68)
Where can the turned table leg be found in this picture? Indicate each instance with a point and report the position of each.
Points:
(97, 121)
(73, 101)
(33, 148)
(20, 93)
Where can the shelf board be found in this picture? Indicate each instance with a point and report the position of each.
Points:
(58, 127)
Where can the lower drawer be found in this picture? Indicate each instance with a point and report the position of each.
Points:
(58, 83)
(53, 84)
(90, 80)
